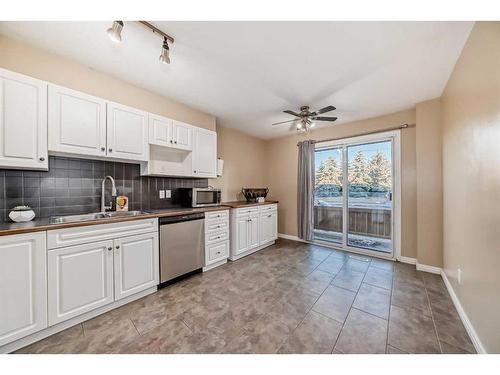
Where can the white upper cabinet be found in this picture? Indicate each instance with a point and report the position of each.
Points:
(77, 122)
(170, 133)
(204, 153)
(127, 133)
(160, 130)
(182, 136)
(23, 122)
(23, 286)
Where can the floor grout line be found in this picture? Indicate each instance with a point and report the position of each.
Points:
(432, 316)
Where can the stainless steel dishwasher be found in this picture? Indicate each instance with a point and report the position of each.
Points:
(182, 241)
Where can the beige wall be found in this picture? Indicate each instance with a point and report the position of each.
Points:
(429, 184)
(25, 59)
(281, 171)
(471, 180)
(244, 163)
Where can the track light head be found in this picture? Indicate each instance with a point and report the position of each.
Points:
(115, 31)
(165, 52)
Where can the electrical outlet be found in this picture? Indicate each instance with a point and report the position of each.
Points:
(459, 276)
(168, 193)
(162, 194)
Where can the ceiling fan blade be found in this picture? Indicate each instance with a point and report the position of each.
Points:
(319, 118)
(324, 110)
(282, 122)
(292, 113)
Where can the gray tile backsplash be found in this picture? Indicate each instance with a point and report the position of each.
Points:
(73, 186)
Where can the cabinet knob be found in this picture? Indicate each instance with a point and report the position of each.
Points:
(175, 142)
(110, 248)
(103, 149)
(110, 150)
(194, 171)
(117, 246)
(42, 159)
(171, 141)
(218, 252)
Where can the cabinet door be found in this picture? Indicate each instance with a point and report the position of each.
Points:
(77, 122)
(80, 279)
(127, 130)
(183, 136)
(268, 227)
(253, 231)
(23, 122)
(23, 286)
(204, 153)
(160, 131)
(136, 264)
(241, 236)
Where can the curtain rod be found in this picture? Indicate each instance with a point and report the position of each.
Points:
(403, 126)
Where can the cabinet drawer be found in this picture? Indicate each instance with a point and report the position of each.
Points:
(218, 251)
(217, 215)
(269, 208)
(216, 226)
(246, 211)
(98, 232)
(216, 237)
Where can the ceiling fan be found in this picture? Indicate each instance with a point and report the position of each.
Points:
(305, 118)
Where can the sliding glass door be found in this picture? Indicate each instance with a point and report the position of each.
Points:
(363, 219)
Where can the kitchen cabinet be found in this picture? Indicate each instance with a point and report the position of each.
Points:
(96, 265)
(182, 136)
(80, 279)
(136, 262)
(127, 132)
(23, 122)
(77, 122)
(252, 229)
(23, 286)
(216, 238)
(268, 227)
(204, 153)
(170, 133)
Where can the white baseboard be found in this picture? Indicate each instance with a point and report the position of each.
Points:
(478, 345)
(408, 260)
(427, 268)
(290, 237)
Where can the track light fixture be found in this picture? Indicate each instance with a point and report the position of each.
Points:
(114, 33)
(164, 57)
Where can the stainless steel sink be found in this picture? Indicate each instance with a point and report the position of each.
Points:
(92, 216)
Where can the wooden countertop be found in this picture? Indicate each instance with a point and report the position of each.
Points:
(43, 224)
(239, 204)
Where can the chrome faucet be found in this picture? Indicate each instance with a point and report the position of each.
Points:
(113, 193)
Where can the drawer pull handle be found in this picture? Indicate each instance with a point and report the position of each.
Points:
(269, 215)
(117, 246)
(42, 159)
(110, 150)
(218, 252)
(110, 248)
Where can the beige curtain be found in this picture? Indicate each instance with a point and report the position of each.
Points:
(305, 190)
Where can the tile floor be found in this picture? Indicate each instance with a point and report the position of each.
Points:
(289, 298)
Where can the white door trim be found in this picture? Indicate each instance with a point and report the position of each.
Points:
(395, 137)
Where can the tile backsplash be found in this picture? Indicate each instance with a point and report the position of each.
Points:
(73, 186)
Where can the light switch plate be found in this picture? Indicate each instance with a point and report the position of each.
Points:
(162, 194)
(168, 193)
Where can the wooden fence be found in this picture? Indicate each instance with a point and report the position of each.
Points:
(362, 221)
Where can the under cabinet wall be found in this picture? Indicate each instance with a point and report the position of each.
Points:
(73, 186)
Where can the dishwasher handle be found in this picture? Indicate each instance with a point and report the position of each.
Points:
(181, 218)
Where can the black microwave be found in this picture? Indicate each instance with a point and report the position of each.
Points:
(199, 197)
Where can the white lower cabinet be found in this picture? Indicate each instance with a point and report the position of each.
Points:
(89, 274)
(252, 228)
(135, 264)
(80, 279)
(23, 286)
(216, 238)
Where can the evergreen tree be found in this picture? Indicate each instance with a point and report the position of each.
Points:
(329, 172)
(358, 170)
(379, 171)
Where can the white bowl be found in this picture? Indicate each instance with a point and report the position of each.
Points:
(22, 216)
